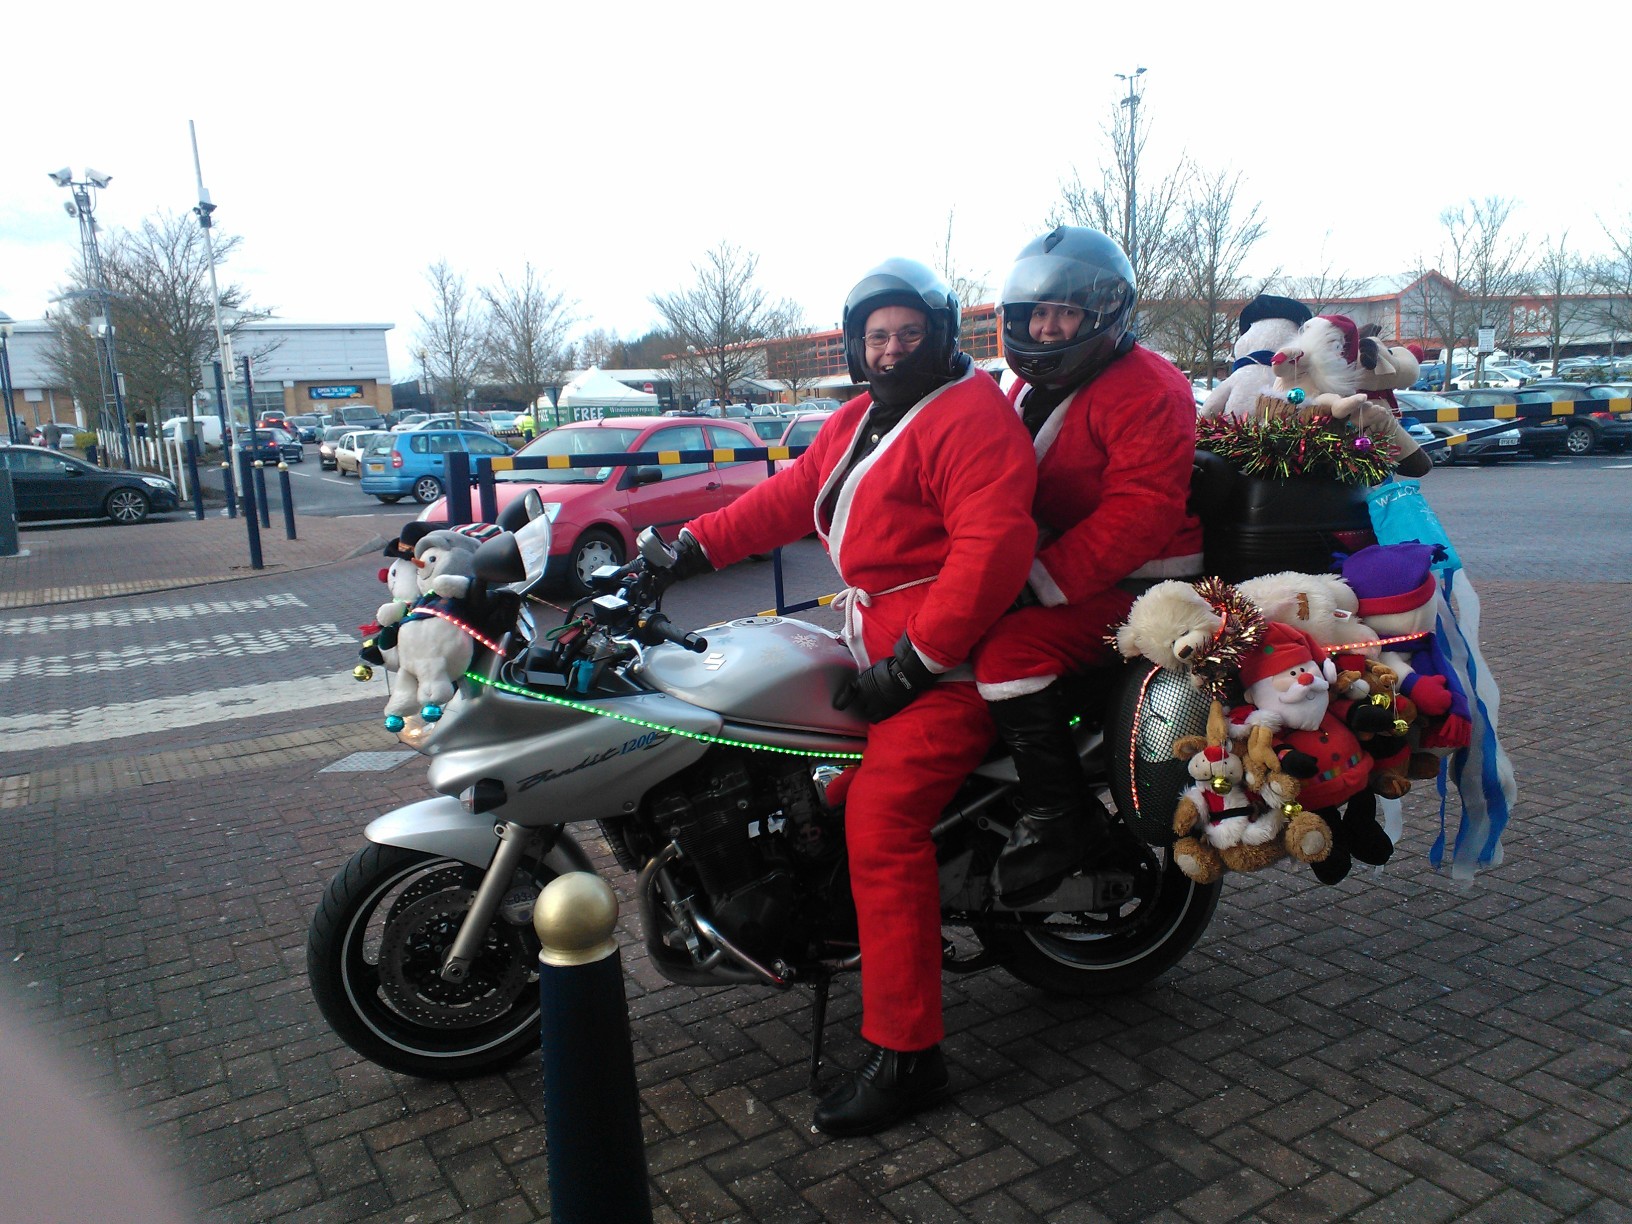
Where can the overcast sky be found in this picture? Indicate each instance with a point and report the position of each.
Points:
(612, 144)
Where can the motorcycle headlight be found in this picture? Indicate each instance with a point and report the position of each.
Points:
(159, 482)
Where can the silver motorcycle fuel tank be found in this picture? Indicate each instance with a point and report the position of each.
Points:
(769, 671)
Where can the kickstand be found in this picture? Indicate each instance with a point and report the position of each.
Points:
(818, 1022)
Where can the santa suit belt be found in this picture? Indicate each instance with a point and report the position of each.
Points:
(850, 602)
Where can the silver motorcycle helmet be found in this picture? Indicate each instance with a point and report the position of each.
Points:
(1070, 266)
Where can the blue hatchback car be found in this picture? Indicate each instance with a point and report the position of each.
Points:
(416, 462)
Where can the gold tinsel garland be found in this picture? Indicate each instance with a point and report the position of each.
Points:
(1290, 445)
(1216, 665)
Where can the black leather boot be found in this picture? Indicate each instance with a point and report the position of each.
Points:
(892, 1085)
(1062, 825)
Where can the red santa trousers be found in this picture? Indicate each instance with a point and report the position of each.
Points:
(914, 764)
(1029, 647)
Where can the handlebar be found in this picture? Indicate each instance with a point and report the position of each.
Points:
(659, 626)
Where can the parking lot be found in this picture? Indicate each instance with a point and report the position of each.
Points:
(1397, 1048)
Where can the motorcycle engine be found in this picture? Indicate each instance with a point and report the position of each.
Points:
(758, 840)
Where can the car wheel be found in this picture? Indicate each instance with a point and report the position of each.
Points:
(389, 499)
(594, 549)
(1580, 439)
(127, 506)
(427, 489)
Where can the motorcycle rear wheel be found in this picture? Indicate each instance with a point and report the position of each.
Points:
(1107, 954)
(375, 945)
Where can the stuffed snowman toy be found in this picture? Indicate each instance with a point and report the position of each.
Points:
(1267, 323)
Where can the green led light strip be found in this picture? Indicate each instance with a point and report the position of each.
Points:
(721, 740)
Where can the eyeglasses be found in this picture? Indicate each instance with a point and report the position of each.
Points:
(910, 338)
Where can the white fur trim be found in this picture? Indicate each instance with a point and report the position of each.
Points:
(1042, 585)
(1002, 690)
(1188, 566)
(928, 662)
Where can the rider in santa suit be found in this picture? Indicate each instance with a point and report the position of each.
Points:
(921, 489)
(1113, 429)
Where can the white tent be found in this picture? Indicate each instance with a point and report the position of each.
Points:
(596, 389)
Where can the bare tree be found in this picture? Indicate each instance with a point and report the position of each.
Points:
(1213, 242)
(1322, 290)
(969, 288)
(1484, 267)
(792, 357)
(714, 321)
(160, 305)
(1611, 277)
(1147, 232)
(1559, 310)
(524, 337)
(450, 338)
(596, 349)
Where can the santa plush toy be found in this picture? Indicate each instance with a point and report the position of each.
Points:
(1267, 322)
(1287, 681)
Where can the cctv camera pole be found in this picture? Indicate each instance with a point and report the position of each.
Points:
(202, 212)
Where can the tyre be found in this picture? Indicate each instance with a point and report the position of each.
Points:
(126, 506)
(595, 548)
(427, 489)
(376, 944)
(389, 499)
(1108, 953)
(1088, 955)
(1580, 439)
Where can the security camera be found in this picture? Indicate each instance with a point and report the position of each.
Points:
(97, 178)
(62, 177)
(68, 207)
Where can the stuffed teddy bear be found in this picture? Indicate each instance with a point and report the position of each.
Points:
(1221, 827)
(1198, 629)
(1267, 322)
(1399, 597)
(1286, 683)
(434, 642)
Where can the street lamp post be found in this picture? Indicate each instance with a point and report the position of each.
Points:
(1132, 103)
(12, 430)
(83, 209)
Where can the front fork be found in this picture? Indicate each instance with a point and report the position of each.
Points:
(515, 843)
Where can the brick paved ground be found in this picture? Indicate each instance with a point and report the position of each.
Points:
(1395, 1049)
(70, 564)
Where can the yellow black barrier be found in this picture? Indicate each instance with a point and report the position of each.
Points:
(1543, 411)
(537, 463)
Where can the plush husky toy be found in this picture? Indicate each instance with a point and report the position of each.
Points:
(1267, 323)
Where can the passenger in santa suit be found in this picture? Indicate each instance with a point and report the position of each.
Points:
(921, 489)
(1113, 429)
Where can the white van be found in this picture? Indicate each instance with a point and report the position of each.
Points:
(209, 429)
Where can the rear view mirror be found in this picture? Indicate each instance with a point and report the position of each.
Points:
(498, 561)
(646, 476)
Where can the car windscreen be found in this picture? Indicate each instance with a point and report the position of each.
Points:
(572, 442)
(377, 443)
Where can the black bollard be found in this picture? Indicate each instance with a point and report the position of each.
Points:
(249, 511)
(264, 501)
(597, 1155)
(288, 501)
(226, 479)
(192, 478)
(459, 489)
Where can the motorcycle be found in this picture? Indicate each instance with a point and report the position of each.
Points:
(713, 768)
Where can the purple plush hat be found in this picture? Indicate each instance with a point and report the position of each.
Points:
(1390, 578)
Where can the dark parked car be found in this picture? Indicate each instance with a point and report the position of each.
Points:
(1590, 431)
(308, 427)
(1540, 438)
(275, 446)
(51, 485)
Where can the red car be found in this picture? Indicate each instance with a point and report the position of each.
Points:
(595, 513)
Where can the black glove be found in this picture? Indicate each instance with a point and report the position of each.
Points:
(1299, 764)
(670, 563)
(888, 686)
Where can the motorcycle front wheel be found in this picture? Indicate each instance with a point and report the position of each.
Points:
(1087, 955)
(373, 958)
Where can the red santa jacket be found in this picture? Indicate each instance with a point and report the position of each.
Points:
(931, 533)
(1113, 477)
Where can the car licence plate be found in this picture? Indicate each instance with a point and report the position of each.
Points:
(375, 467)
(1507, 440)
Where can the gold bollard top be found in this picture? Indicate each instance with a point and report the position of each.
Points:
(574, 917)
